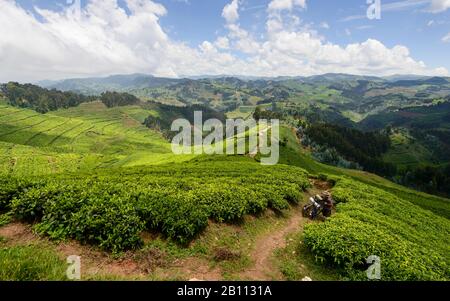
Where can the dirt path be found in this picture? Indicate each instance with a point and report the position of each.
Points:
(265, 246)
(254, 151)
(264, 269)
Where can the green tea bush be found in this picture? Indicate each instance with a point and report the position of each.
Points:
(29, 205)
(110, 208)
(176, 216)
(10, 187)
(412, 243)
(225, 205)
(111, 223)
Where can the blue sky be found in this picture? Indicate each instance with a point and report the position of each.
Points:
(194, 26)
(200, 19)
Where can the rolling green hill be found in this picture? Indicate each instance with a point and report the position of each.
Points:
(406, 150)
(98, 176)
(354, 97)
(118, 83)
(87, 136)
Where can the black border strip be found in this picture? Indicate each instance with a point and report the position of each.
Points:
(165, 289)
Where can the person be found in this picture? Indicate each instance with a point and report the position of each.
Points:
(322, 203)
(317, 206)
(327, 203)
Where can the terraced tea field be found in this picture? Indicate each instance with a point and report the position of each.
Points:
(83, 137)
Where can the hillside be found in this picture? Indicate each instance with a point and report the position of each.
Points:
(118, 83)
(89, 179)
(353, 97)
(87, 136)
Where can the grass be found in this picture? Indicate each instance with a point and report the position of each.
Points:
(296, 262)
(33, 262)
(238, 238)
(80, 130)
(240, 113)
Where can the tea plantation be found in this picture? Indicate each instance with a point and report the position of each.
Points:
(111, 208)
(99, 176)
(412, 243)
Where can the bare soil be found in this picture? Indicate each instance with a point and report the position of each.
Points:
(265, 246)
(263, 268)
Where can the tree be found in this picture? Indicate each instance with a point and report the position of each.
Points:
(40, 99)
(115, 99)
(257, 113)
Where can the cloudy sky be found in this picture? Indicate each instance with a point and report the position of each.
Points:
(54, 39)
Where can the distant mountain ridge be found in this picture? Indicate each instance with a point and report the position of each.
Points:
(98, 85)
(331, 97)
(119, 83)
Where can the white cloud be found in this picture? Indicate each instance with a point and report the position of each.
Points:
(403, 5)
(222, 43)
(446, 39)
(213, 56)
(230, 12)
(105, 38)
(280, 5)
(438, 6)
(109, 40)
(434, 6)
(243, 41)
(352, 18)
(324, 25)
(430, 23)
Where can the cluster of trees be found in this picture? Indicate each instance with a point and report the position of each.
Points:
(437, 140)
(115, 99)
(266, 114)
(40, 99)
(316, 114)
(431, 179)
(44, 100)
(364, 148)
(167, 114)
(351, 148)
(332, 157)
